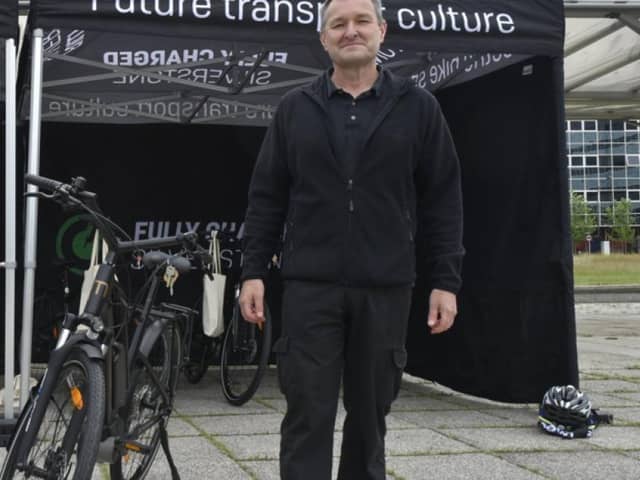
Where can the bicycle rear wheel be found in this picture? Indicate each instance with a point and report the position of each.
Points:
(148, 408)
(245, 353)
(67, 438)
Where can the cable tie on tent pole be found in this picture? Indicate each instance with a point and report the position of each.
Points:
(261, 56)
(232, 63)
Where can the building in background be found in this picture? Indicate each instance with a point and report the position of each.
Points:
(604, 165)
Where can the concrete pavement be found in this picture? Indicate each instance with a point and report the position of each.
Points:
(434, 432)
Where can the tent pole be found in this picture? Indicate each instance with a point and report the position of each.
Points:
(10, 263)
(31, 216)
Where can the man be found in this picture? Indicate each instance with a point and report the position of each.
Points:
(350, 165)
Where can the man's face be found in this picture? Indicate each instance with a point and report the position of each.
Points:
(351, 34)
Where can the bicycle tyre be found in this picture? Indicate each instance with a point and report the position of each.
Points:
(8, 466)
(244, 358)
(144, 401)
(88, 375)
(195, 370)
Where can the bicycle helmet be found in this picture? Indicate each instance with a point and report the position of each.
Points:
(567, 412)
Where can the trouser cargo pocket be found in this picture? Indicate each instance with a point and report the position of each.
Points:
(399, 362)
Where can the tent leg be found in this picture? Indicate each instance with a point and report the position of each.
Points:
(31, 216)
(10, 263)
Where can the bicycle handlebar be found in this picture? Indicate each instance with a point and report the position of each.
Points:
(152, 243)
(76, 189)
(75, 193)
(43, 183)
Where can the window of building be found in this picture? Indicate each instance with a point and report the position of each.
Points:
(577, 184)
(604, 136)
(576, 149)
(604, 124)
(590, 137)
(617, 136)
(604, 162)
(576, 137)
(618, 148)
(606, 196)
(619, 195)
(619, 161)
(576, 160)
(617, 124)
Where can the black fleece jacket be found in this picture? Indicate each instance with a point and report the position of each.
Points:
(357, 228)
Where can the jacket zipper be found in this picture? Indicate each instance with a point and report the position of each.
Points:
(350, 210)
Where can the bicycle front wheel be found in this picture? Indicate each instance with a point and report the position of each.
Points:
(245, 353)
(68, 436)
(149, 404)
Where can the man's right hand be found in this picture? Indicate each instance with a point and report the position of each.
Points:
(252, 300)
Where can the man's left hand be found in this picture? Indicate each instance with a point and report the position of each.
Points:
(442, 310)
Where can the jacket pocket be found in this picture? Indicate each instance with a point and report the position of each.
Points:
(288, 240)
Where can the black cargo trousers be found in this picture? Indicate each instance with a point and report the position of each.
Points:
(332, 332)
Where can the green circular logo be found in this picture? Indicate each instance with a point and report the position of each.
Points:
(74, 241)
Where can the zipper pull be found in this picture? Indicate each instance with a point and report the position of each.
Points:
(349, 185)
(351, 207)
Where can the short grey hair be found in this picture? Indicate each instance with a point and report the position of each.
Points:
(377, 6)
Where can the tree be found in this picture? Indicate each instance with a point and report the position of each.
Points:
(619, 216)
(583, 219)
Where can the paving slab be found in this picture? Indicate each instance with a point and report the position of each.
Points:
(612, 386)
(624, 416)
(613, 437)
(421, 403)
(519, 415)
(248, 424)
(423, 441)
(582, 465)
(261, 446)
(196, 458)
(633, 396)
(514, 439)
(468, 466)
(270, 469)
(600, 400)
(178, 427)
(452, 418)
(189, 404)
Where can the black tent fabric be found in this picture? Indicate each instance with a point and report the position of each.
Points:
(196, 61)
(496, 67)
(9, 19)
(8, 29)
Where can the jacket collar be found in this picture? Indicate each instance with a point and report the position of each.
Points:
(318, 88)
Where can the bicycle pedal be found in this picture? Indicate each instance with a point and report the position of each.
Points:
(137, 447)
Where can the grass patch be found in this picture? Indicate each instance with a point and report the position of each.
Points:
(599, 269)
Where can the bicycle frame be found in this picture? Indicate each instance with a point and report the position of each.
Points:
(98, 340)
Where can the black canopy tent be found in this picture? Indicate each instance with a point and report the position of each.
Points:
(9, 34)
(496, 67)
